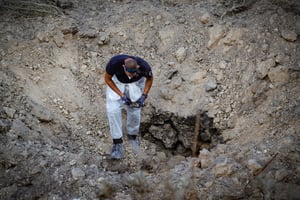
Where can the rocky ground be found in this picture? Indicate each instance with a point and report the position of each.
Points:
(235, 64)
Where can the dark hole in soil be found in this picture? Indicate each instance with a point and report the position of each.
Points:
(176, 133)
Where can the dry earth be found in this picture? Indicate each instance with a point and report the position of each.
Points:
(236, 61)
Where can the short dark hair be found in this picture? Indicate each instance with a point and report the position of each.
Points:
(131, 63)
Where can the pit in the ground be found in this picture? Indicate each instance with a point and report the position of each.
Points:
(177, 134)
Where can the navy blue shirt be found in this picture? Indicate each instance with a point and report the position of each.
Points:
(115, 67)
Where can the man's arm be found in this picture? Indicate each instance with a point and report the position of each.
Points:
(148, 84)
(111, 84)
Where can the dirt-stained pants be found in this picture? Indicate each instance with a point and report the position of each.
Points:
(114, 106)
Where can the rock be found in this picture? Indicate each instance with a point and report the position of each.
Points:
(231, 122)
(36, 169)
(70, 30)
(279, 75)
(180, 54)
(64, 4)
(88, 34)
(10, 112)
(290, 36)
(146, 163)
(151, 162)
(216, 33)
(176, 82)
(103, 38)
(58, 41)
(170, 63)
(197, 77)
(43, 114)
(205, 18)
(19, 128)
(42, 37)
(166, 93)
(221, 148)
(263, 67)
(223, 64)
(222, 168)
(77, 173)
(253, 165)
(211, 85)
(92, 182)
(205, 158)
(280, 58)
(103, 147)
(169, 139)
(161, 156)
(233, 37)
(72, 162)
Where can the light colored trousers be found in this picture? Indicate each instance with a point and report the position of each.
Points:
(114, 106)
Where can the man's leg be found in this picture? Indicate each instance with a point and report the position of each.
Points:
(133, 126)
(134, 120)
(114, 114)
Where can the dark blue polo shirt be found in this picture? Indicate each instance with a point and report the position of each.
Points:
(115, 67)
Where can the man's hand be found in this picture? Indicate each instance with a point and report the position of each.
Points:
(126, 100)
(142, 99)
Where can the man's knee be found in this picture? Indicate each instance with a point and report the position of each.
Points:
(113, 107)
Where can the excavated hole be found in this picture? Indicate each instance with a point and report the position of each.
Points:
(176, 134)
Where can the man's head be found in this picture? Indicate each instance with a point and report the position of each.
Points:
(131, 65)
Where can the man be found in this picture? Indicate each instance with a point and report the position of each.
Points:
(129, 80)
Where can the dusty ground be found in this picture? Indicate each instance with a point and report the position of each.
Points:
(238, 62)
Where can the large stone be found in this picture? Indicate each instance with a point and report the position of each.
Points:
(205, 18)
(233, 36)
(59, 41)
(288, 35)
(103, 38)
(41, 112)
(10, 112)
(181, 54)
(166, 93)
(77, 173)
(223, 168)
(263, 67)
(197, 77)
(210, 85)
(216, 33)
(42, 36)
(279, 75)
(169, 139)
(205, 158)
(72, 29)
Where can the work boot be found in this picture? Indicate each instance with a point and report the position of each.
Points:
(117, 151)
(135, 143)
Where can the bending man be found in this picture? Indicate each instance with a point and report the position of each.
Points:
(129, 80)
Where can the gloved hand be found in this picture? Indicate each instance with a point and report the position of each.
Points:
(141, 100)
(126, 100)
